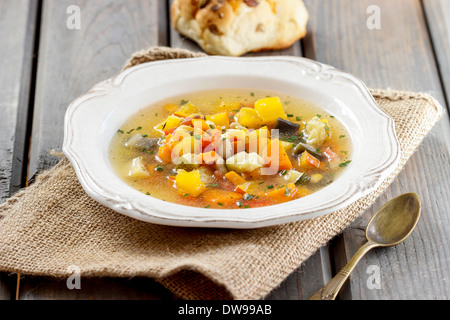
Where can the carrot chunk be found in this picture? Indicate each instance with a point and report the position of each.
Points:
(282, 162)
(284, 194)
(306, 160)
(220, 197)
(235, 178)
(165, 151)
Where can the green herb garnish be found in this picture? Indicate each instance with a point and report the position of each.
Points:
(287, 192)
(344, 164)
(248, 197)
(304, 179)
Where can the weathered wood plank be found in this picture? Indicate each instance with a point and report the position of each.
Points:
(400, 56)
(436, 13)
(312, 275)
(42, 288)
(17, 31)
(70, 63)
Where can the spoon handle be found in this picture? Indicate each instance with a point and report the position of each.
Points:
(331, 289)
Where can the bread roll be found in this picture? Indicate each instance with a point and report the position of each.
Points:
(234, 27)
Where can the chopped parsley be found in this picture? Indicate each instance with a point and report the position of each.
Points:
(248, 197)
(287, 192)
(344, 164)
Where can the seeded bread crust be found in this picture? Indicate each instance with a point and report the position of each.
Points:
(235, 27)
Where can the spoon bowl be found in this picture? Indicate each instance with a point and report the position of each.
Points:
(395, 221)
(389, 226)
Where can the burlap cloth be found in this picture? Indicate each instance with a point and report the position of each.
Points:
(53, 224)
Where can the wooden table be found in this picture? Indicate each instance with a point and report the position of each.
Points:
(44, 65)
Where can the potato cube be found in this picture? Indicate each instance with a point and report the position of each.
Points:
(270, 109)
(244, 162)
(186, 110)
(220, 119)
(138, 169)
(248, 117)
(189, 183)
(170, 123)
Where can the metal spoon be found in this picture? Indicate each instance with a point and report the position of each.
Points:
(390, 225)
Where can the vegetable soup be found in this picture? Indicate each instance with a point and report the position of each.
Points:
(231, 149)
